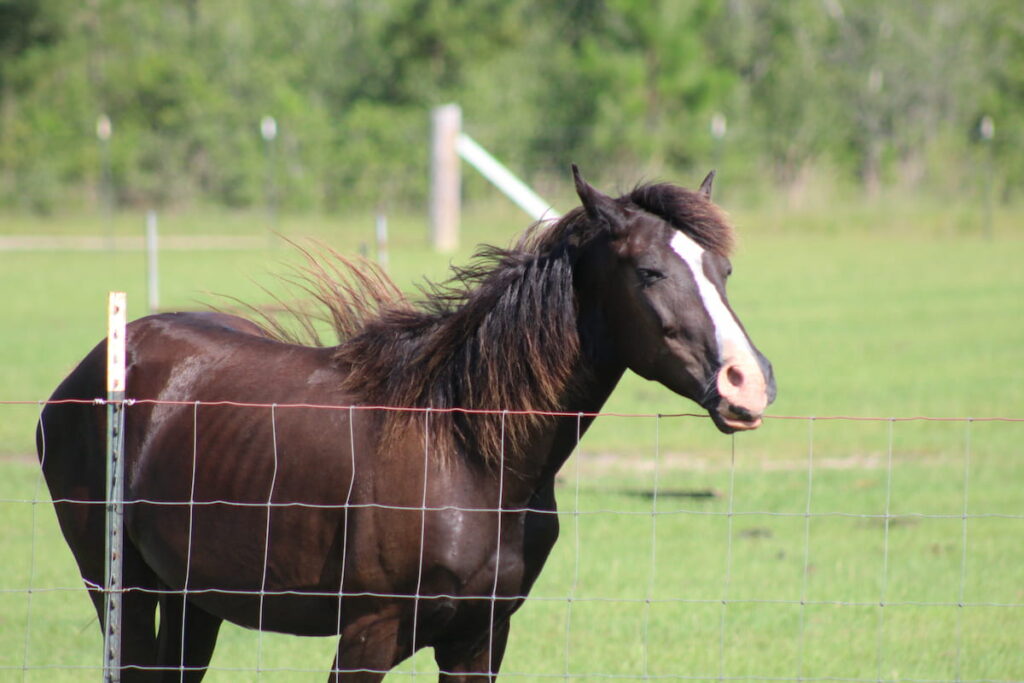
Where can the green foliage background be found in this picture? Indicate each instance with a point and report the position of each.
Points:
(867, 94)
(889, 307)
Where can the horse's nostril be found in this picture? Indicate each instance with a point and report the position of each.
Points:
(742, 413)
(742, 390)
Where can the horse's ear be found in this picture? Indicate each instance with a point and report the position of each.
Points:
(600, 208)
(705, 186)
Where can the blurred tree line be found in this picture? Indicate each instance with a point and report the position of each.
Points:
(866, 93)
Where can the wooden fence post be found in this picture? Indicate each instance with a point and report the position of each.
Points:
(445, 179)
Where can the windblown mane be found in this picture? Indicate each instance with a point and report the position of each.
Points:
(500, 335)
(343, 295)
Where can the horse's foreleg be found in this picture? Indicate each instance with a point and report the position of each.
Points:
(187, 637)
(138, 641)
(476, 663)
(367, 650)
(138, 637)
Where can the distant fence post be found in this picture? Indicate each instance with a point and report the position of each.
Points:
(446, 124)
(113, 583)
(381, 235)
(152, 265)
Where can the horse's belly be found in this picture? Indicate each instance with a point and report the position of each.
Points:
(313, 613)
(226, 546)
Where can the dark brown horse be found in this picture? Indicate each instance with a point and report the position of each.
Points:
(397, 529)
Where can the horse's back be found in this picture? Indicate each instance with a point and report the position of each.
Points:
(87, 381)
(172, 359)
(74, 415)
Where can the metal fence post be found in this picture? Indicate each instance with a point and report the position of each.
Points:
(113, 580)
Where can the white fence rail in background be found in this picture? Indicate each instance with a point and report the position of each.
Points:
(502, 178)
(448, 145)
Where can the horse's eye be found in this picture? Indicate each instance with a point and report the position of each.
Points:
(648, 276)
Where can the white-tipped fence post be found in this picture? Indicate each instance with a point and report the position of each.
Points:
(381, 234)
(446, 124)
(113, 584)
(152, 271)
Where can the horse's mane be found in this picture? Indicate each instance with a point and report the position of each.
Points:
(500, 335)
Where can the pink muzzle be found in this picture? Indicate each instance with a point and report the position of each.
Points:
(744, 394)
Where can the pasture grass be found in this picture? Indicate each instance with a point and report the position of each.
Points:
(733, 566)
(809, 549)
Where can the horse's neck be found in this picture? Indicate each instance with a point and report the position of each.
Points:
(596, 375)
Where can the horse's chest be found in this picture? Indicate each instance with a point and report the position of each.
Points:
(482, 550)
(489, 554)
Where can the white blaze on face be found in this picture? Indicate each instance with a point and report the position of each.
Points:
(732, 342)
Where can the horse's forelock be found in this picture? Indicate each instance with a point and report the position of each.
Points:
(687, 211)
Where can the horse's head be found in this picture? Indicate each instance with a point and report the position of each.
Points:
(663, 285)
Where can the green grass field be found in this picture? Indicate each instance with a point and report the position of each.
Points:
(771, 553)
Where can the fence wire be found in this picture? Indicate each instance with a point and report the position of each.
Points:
(637, 625)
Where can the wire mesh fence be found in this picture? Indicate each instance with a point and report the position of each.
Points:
(840, 548)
